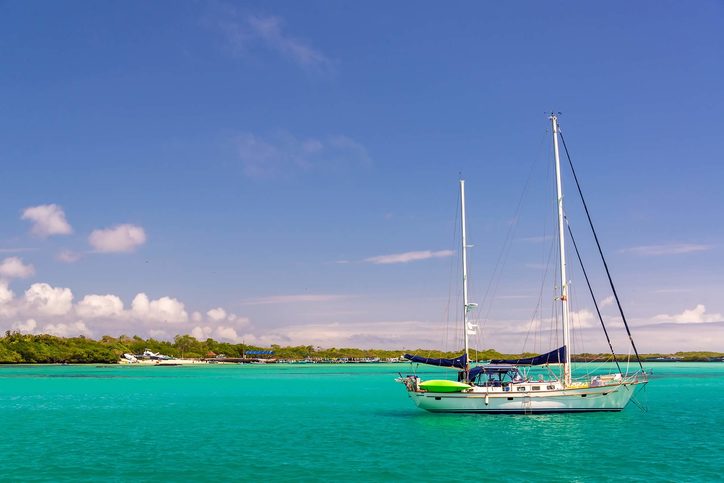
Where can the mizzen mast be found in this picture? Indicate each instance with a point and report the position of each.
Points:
(468, 328)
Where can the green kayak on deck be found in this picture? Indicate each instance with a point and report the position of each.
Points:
(440, 385)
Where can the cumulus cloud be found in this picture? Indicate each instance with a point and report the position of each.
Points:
(43, 308)
(49, 300)
(47, 220)
(67, 330)
(217, 314)
(408, 257)
(164, 309)
(227, 333)
(97, 306)
(119, 238)
(7, 300)
(283, 154)
(201, 333)
(220, 333)
(13, 267)
(27, 327)
(6, 295)
(697, 315)
(158, 333)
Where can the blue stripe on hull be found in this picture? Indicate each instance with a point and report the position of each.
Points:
(522, 411)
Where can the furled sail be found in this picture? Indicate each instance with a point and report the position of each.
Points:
(458, 362)
(557, 356)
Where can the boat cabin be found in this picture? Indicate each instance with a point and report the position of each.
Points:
(495, 375)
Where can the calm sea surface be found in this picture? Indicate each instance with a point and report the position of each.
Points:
(330, 423)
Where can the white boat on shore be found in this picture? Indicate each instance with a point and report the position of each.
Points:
(506, 386)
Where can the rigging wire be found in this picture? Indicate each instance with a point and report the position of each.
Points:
(494, 282)
(547, 256)
(539, 306)
(600, 251)
(593, 297)
(452, 273)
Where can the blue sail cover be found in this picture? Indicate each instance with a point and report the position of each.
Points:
(557, 356)
(458, 362)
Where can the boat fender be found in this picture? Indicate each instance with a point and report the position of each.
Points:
(486, 399)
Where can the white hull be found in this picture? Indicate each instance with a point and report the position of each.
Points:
(589, 399)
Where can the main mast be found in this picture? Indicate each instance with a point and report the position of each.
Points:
(562, 249)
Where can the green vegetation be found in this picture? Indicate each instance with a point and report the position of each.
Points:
(17, 348)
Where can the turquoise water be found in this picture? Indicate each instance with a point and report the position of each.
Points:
(330, 423)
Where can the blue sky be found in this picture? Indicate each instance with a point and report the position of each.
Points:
(236, 170)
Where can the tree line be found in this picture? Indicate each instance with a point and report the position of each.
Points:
(18, 348)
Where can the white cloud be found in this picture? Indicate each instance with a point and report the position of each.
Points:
(294, 299)
(68, 256)
(47, 220)
(47, 309)
(409, 257)
(697, 315)
(164, 309)
(227, 333)
(669, 249)
(49, 300)
(6, 295)
(7, 298)
(217, 314)
(606, 302)
(282, 154)
(13, 267)
(119, 238)
(582, 319)
(27, 327)
(97, 306)
(201, 333)
(219, 333)
(67, 330)
(270, 30)
(158, 333)
(243, 33)
(390, 334)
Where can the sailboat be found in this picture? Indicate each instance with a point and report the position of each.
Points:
(503, 386)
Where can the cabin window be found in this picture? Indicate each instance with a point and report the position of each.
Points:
(510, 399)
(438, 398)
(605, 393)
(584, 395)
(536, 388)
(550, 386)
(521, 388)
